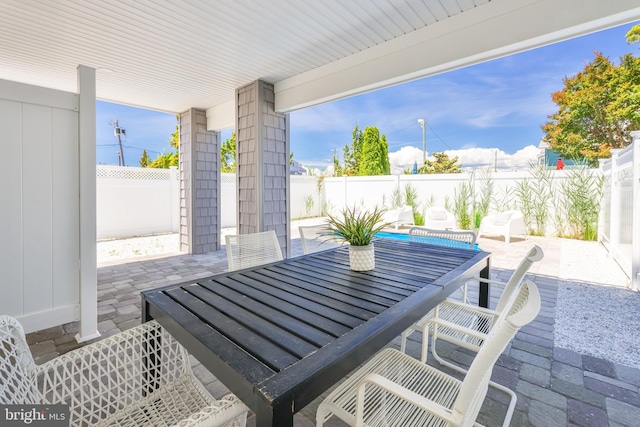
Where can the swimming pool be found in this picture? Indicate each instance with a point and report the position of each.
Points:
(395, 236)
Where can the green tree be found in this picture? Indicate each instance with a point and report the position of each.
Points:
(368, 154)
(596, 109)
(337, 169)
(633, 36)
(353, 153)
(228, 154)
(145, 160)
(163, 161)
(374, 159)
(442, 164)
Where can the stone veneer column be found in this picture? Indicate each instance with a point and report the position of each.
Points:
(199, 184)
(262, 151)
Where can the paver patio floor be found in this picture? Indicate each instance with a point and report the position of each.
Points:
(555, 386)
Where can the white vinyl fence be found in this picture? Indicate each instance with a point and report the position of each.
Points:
(136, 201)
(141, 201)
(620, 217)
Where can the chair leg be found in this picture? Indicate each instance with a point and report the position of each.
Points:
(403, 339)
(512, 396)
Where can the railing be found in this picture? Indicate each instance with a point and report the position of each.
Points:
(619, 227)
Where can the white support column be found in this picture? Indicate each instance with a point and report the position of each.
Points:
(87, 166)
(635, 230)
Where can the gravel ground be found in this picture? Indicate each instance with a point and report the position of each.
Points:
(598, 320)
(596, 314)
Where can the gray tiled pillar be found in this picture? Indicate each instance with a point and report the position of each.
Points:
(262, 147)
(199, 184)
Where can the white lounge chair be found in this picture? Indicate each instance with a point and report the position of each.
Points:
(249, 250)
(394, 389)
(507, 224)
(315, 238)
(466, 325)
(439, 218)
(141, 376)
(400, 216)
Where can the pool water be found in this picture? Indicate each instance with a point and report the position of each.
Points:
(432, 240)
(395, 236)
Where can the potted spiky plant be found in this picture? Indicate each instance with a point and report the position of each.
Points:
(359, 229)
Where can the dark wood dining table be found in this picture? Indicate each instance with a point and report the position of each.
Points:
(280, 334)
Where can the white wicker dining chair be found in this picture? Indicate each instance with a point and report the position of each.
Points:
(141, 376)
(250, 250)
(467, 325)
(315, 238)
(394, 389)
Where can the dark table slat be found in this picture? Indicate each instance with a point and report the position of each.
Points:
(268, 353)
(333, 275)
(200, 338)
(263, 326)
(304, 329)
(330, 320)
(356, 292)
(351, 306)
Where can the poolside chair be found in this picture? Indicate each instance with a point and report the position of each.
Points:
(400, 216)
(466, 325)
(439, 218)
(315, 238)
(394, 389)
(141, 376)
(249, 250)
(507, 224)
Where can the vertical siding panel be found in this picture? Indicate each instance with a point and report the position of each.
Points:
(11, 243)
(65, 208)
(37, 208)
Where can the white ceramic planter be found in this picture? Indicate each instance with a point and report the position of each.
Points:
(362, 258)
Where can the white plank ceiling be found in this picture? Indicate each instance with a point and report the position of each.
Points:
(173, 55)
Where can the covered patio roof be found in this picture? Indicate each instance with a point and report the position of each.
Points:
(175, 55)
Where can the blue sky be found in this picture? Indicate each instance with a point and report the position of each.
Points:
(471, 112)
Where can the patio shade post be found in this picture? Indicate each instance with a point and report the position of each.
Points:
(199, 184)
(88, 250)
(262, 158)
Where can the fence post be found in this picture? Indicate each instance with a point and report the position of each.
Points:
(174, 198)
(635, 228)
(601, 216)
(614, 234)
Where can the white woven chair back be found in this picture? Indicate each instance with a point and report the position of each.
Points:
(315, 238)
(524, 307)
(535, 254)
(250, 250)
(453, 238)
(17, 368)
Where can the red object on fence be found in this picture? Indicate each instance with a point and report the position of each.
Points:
(560, 164)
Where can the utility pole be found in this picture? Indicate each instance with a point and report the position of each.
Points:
(495, 161)
(424, 140)
(118, 131)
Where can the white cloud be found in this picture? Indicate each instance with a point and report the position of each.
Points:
(473, 158)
